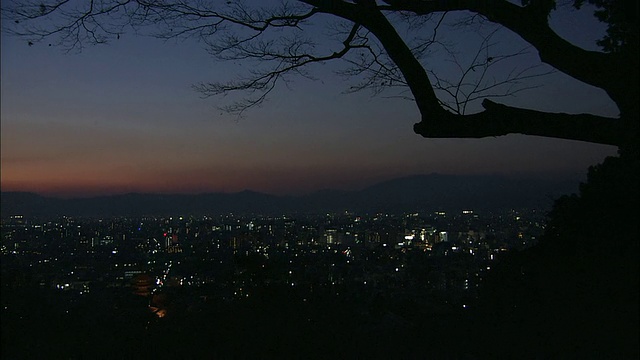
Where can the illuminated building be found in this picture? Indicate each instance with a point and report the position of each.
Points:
(331, 236)
(142, 284)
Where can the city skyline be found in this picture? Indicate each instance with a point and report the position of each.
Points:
(123, 118)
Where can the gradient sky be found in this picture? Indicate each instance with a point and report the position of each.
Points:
(123, 118)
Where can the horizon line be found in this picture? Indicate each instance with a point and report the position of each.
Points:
(88, 194)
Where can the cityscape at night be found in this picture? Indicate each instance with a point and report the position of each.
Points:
(320, 179)
(386, 268)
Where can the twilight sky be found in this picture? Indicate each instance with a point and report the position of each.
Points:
(123, 118)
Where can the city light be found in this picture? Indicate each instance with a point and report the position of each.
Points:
(230, 258)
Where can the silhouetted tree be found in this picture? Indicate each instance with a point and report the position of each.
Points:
(368, 36)
(573, 295)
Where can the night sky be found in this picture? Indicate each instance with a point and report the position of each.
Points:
(123, 118)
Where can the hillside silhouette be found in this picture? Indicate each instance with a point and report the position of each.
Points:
(576, 293)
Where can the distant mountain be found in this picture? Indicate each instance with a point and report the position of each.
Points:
(140, 204)
(418, 192)
(476, 192)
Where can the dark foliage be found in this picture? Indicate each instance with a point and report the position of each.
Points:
(575, 295)
(622, 19)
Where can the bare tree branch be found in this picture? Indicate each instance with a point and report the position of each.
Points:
(498, 120)
(379, 58)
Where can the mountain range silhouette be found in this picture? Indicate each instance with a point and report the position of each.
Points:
(411, 193)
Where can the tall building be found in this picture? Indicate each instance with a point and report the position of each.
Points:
(331, 236)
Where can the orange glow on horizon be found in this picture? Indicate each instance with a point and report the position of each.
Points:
(277, 184)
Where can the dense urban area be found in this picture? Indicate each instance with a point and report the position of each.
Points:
(135, 276)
